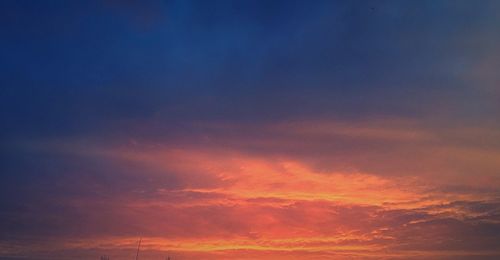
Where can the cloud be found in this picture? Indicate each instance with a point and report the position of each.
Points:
(249, 130)
(218, 197)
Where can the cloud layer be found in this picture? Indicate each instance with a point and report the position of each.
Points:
(250, 130)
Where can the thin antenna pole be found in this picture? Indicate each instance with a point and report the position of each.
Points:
(138, 248)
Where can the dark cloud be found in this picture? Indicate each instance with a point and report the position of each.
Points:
(71, 67)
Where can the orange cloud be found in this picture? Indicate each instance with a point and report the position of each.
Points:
(223, 200)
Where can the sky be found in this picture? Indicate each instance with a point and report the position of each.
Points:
(250, 129)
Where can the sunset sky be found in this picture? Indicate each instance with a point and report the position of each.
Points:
(250, 129)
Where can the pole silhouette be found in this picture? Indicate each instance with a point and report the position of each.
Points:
(138, 248)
